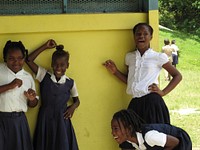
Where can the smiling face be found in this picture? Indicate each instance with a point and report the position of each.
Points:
(119, 133)
(142, 37)
(59, 66)
(14, 60)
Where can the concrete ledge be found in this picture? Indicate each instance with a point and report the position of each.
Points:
(69, 22)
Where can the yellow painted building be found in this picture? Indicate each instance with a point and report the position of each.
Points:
(90, 38)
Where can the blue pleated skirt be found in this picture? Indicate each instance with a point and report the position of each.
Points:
(151, 108)
(14, 132)
(53, 132)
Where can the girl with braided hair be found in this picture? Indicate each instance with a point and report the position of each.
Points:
(130, 131)
(54, 130)
(17, 92)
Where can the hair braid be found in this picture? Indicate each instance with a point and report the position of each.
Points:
(14, 45)
(130, 120)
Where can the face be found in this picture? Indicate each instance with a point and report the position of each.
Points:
(59, 67)
(15, 60)
(142, 38)
(119, 133)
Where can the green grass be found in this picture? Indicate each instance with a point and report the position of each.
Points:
(187, 93)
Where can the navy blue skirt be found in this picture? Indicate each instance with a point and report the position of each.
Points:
(53, 132)
(151, 108)
(175, 59)
(14, 132)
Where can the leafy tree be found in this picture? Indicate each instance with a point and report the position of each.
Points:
(182, 15)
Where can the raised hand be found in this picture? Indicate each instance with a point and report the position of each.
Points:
(50, 43)
(110, 65)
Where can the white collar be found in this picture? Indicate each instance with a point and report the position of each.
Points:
(145, 53)
(140, 142)
(20, 72)
(62, 79)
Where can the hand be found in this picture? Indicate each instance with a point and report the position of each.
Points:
(154, 88)
(16, 83)
(50, 44)
(30, 94)
(69, 112)
(110, 65)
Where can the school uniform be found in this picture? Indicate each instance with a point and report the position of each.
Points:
(175, 54)
(142, 72)
(154, 137)
(14, 129)
(53, 132)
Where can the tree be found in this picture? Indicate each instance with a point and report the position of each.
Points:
(182, 15)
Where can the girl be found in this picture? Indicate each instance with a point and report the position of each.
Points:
(144, 66)
(54, 130)
(17, 90)
(127, 126)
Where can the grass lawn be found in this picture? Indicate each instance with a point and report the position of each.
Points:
(184, 101)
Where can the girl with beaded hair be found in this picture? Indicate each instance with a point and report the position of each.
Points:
(17, 92)
(131, 132)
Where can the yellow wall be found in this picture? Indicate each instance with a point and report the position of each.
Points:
(153, 16)
(91, 39)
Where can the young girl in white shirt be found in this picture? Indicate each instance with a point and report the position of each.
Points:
(131, 133)
(17, 92)
(144, 65)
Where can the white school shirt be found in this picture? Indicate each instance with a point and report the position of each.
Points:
(143, 71)
(176, 49)
(14, 100)
(42, 72)
(152, 138)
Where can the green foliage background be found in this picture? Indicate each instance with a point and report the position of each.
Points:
(186, 96)
(181, 15)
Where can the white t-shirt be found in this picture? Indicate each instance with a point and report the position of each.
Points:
(14, 100)
(42, 72)
(143, 71)
(176, 49)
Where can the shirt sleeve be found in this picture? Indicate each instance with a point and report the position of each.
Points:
(41, 73)
(128, 58)
(74, 91)
(155, 138)
(163, 59)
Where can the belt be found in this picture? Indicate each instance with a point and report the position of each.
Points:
(11, 114)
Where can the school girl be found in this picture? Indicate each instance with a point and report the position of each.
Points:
(17, 92)
(143, 68)
(54, 129)
(131, 133)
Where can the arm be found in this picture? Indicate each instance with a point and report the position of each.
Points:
(30, 62)
(110, 65)
(171, 142)
(16, 82)
(70, 110)
(176, 78)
